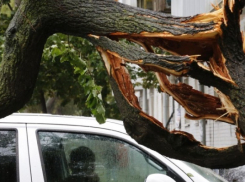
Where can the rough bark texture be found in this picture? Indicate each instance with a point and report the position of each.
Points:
(177, 145)
(214, 38)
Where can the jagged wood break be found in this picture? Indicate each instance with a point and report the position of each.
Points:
(207, 47)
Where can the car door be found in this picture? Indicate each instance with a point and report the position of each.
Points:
(61, 153)
(14, 154)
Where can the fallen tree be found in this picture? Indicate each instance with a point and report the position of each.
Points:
(207, 47)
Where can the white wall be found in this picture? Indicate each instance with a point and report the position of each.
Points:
(129, 2)
(191, 7)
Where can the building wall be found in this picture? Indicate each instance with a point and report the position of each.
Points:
(129, 2)
(192, 7)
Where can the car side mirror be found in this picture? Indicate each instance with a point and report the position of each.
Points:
(158, 178)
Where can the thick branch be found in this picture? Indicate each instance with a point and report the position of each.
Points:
(148, 131)
(232, 48)
(175, 65)
(175, 145)
(197, 104)
(36, 20)
(23, 50)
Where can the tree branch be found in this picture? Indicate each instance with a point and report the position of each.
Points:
(205, 35)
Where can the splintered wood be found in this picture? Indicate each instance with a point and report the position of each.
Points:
(122, 77)
(197, 104)
(117, 69)
(198, 47)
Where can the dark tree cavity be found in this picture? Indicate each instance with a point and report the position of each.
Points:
(212, 38)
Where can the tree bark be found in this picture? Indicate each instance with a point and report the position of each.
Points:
(214, 38)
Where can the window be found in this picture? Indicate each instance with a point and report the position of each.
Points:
(83, 157)
(156, 5)
(8, 161)
(146, 4)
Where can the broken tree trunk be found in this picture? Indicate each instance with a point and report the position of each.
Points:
(213, 38)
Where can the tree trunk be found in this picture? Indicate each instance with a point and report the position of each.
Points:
(214, 38)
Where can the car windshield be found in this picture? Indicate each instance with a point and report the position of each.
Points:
(206, 173)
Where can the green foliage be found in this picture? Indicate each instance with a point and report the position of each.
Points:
(7, 7)
(4, 22)
(5, 1)
(5, 16)
(148, 79)
(72, 70)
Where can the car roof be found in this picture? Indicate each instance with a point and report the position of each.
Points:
(31, 118)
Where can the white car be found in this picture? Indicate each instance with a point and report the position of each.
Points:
(38, 148)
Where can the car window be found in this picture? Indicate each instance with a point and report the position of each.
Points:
(8, 159)
(84, 157)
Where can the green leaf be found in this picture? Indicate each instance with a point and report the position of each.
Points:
(93, 102)
(90, 96)
(64, 58)
(100, 109)
(56, 52)
(100, 118)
